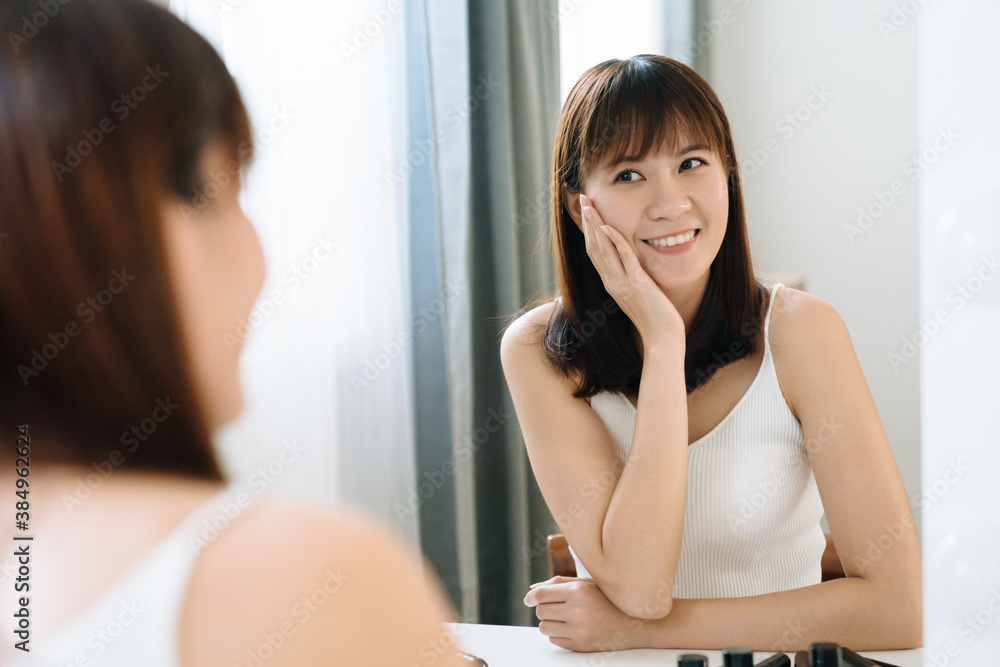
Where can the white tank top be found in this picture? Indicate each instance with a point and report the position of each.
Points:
(135, 621)
(751, 523)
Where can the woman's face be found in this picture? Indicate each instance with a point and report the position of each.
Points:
(217, 269)
(664, 195)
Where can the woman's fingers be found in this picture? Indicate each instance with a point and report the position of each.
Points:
(593, 242)
(551, 611)
(554, 630)
(625, 253)
(550, 593)
(630, 262)
(541, 595)
(605, 247)
(562, 642)
(558, 579)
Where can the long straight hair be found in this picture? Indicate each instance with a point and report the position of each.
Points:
(630, 107)
(105, 109)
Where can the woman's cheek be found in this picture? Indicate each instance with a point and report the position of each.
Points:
(722, 192)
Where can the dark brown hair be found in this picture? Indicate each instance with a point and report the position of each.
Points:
(630, 107)
(105, 109)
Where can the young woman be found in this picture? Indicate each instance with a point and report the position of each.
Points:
(125, 260)
(687, 423)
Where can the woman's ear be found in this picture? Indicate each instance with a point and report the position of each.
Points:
(571, 202)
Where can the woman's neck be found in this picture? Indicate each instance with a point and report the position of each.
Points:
(687, 298)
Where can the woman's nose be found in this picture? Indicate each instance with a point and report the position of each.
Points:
(670, 199)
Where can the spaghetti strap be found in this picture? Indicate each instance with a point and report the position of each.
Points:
(770, 304)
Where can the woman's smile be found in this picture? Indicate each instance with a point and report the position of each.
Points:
(673, 245)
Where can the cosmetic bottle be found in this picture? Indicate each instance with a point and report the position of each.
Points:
(825, 654)
(737, 656)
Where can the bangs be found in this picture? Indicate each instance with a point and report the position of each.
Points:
(194, 111)
(206, 111)
(640, 111)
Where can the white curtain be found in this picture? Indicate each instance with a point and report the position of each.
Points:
(327, 367)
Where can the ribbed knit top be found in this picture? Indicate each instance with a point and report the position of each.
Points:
(136, 620)
(751, 523)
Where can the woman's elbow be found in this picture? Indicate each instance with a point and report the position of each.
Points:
(915, 639)
(912, 633)
(903, 615)
(648, 602)
(653, 610)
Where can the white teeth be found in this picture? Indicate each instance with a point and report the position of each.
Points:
(673, 240)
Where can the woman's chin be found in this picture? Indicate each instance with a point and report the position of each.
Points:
(671, 281)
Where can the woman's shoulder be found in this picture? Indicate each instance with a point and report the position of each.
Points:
(528, 328)
(796, 314)
(522, 352)
(293, 542)
(331, 577)
(262, 570)
(805, 333)
(521, 344)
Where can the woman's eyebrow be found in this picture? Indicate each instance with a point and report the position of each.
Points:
(693, 147)
(635, 158)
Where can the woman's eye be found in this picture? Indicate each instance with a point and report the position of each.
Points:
(689, 160)
(627, 177)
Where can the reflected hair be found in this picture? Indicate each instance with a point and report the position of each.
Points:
(629, 108)
(85, 361)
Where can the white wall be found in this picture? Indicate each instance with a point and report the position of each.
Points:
(959, 239)
(592, 31)
(805, 178)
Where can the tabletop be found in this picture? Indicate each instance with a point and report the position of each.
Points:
(510, 646)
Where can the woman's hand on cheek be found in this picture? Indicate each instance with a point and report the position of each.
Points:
(626, 280)
(576, 615)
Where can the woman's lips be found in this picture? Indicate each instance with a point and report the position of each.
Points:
(674, 249)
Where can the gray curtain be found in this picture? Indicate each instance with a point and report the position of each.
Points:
(515, 42)
(484, 100)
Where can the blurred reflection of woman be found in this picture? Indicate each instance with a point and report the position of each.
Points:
(687, 423)
(126, 259)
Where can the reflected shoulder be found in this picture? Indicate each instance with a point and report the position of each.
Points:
(333, 579)
(529, 327)
(802, 319)
(808, 338)
(525, 363)
(521, 344)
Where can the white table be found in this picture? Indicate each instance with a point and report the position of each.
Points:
(515, 646)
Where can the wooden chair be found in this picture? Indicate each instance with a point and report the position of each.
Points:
(830, 562)
(561, 561)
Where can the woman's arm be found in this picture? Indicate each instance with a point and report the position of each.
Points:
(624, 522)
(576, 615)
(870, 518)
(853, 612)
(878, 605)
